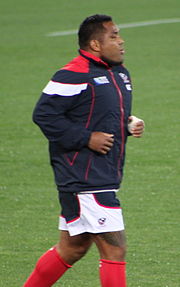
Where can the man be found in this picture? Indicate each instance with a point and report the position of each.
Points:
(84, 112)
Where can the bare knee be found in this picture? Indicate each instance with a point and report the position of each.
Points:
(71, 254)
(73, 248)
(113, 253)
(111, 245)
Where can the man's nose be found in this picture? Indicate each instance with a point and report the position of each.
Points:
(120, 41)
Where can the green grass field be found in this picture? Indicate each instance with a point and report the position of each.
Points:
(150, 192)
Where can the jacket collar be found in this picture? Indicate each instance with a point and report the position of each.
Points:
(93, 58)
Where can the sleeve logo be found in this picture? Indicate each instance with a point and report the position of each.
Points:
(126, 81)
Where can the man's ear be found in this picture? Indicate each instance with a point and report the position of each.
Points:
(95, 45)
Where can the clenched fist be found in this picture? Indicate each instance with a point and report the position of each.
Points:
(101, 142)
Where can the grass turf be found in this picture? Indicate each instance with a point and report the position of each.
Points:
(150, 191)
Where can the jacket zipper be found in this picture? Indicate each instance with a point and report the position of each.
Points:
(121, 120)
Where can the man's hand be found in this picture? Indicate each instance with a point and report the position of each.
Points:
(101, 142)
(136, 126)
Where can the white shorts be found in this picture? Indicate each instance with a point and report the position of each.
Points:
(93, 213)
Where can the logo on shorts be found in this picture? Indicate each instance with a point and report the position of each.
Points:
(102, 220)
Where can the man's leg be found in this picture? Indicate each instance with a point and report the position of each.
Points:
(73, 248)
(56, 261)
(112, 249)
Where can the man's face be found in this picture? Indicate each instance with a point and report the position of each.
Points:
(111, 45)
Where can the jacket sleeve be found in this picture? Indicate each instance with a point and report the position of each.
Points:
(51, 115)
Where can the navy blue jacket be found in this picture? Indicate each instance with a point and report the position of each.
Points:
(84, 96)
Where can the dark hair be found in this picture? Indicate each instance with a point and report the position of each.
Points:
(90, 27)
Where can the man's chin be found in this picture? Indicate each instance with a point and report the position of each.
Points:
(112, 63)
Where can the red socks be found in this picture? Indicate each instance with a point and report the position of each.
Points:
(49, 268)
(112, 273)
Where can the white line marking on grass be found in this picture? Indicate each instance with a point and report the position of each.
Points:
(123, 26)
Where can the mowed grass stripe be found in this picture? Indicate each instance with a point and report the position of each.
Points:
(123, 26)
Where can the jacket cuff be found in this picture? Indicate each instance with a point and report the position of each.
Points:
(86, 137)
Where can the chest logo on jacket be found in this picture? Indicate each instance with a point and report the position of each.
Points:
(101, 80)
